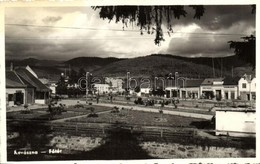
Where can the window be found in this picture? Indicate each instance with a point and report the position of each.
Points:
(10, 97)
(243, 85)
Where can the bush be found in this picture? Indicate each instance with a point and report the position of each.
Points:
(115, 110)
(26, 112)
(79, 105)
(92, 115)
(139, 101)
(26, 106)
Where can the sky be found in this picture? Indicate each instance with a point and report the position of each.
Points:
(63, 33)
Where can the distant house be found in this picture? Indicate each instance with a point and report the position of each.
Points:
(191, 89)
(116, 84)
(247, 87)
(101, 88)
(230, 88)
(42, 92)
(145, 89)
(212, 88)
(18, 90)
(172, 92)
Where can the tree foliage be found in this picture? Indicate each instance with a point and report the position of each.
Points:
(245, 49)
(148, 18)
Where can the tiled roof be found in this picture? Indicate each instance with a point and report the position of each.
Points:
(193, 82)
(25, 74)
(231, 80)
(13, 80)
(209, 81)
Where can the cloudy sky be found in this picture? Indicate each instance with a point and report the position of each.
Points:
(63, 33)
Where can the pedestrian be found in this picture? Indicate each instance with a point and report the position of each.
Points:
(111, 98)
(97, 99)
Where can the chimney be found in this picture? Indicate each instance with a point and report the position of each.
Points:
(11, 67)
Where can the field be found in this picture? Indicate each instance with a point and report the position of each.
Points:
(140, 118)
(44, 115)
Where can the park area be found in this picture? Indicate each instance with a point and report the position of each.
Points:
(90, 130)
(43, 114)
(128, 116)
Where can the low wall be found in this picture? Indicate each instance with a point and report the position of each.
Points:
(39, 101)
(76, 142)
(172, 150)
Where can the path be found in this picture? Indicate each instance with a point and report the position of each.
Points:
(75, 117)
(147, 109)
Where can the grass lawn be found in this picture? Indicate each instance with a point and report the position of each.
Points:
(140, 118)
(44, 115)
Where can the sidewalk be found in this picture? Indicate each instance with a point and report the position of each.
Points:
(146, 109)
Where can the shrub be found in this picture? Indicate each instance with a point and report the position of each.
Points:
(79, 105)
(92, 115)
(139, 101)
(26, 112)
(115, 110)
(26, 106)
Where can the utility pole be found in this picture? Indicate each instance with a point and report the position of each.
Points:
(213, 67)
(87, 74)
(232, 71)
(221, 63)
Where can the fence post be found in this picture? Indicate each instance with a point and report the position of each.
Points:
(76, 128)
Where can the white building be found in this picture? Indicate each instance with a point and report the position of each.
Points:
(172, 92)
(235, 122)
(116, 83)
(247, 87)
(102, 88)
(212, 88)
(230, 88)
(190, 89)
(144, 91)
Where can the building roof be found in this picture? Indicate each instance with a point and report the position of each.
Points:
(193, 82)
(13, 80)
(209, 81)
(32, 80)
(231, 80)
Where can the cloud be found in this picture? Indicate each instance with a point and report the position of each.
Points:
(217, 17)
(103, 41)
(51, 19)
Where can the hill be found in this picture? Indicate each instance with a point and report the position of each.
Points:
(152, 65)
(163, 64)
(90, 63)
(32, 62)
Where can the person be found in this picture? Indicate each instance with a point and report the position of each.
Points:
(111, 98)
(97, 98)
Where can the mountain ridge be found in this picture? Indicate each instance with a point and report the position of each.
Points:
(154, 65)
